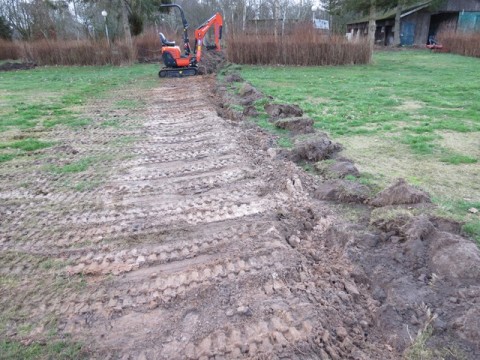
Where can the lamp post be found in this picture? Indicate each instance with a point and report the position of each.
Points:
(104, 14)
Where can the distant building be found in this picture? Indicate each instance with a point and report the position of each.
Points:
(419, 22)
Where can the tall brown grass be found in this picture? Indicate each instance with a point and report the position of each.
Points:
(304, 46)
(77, 52)
(82, 52)
(148, 46)
(9, 50)
(467, 44)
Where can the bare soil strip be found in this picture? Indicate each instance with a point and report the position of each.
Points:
(181, 251)
(197, 244)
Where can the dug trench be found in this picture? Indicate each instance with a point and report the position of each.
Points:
(418, 270)
(205, 241)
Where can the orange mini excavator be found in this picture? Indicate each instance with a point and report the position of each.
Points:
(178, 65)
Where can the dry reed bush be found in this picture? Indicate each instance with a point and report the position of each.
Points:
(9, 50)
(304, 46)
(77, 52)
(467, 44)
(148, 46)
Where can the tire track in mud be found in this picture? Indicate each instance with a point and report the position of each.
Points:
(182, 249)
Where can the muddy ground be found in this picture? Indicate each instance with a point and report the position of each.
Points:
(203, 241)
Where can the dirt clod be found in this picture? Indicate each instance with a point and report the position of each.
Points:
(455, 258)
(248, 95)
(314, 148)
(341, 333)
(336, 169)
(233, 78)
(400, 193)
(297, 125)
(283, 110)
(250, 111)
(342, 191)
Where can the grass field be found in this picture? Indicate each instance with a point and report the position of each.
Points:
(34, 101)
(411, 114)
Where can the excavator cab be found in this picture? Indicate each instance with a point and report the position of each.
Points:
(186, 64)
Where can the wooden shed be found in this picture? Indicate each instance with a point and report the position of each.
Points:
(420, 21)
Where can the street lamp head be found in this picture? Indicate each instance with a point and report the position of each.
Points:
(104, 13)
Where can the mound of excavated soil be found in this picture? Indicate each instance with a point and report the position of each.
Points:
(211, 62)
(400, 193)
(248, 94)
(336, 170)
(314, 148)
(297, 125)
(9, 66)
(421, 279)
(342, 191)
(283, 110)
(233, 78)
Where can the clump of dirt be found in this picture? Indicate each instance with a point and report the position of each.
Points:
(336, 169)
(400, 193)
(297, 125)
(65, 149)
(314, 148)
(11, 66)
(248, 94)
(390, 219)
(277, 111)
(245, 96)
(342, 191)
(250, 111)
(233, 78)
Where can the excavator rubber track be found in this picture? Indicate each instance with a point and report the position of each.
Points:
(180, 72)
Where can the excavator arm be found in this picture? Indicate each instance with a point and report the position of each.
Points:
(217, 22)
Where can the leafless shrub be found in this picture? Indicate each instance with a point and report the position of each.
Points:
(303, 46)
(77, 52)
(148, 46)
(9, 50)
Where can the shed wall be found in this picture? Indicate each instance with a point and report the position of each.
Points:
(421, 19)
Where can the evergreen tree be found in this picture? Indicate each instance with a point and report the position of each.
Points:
(5, 29)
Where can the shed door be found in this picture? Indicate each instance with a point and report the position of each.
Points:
(407, 34)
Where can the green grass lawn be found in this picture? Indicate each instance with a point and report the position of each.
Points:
(411, 114)
(47, 97)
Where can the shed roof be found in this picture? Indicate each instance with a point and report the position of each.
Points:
(390, 13)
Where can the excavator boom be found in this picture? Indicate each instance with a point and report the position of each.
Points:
(217, 22)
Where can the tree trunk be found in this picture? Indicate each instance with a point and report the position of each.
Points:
(372, 25)
(275, 18)
(397, 28)
(126, 27)
(244, 20)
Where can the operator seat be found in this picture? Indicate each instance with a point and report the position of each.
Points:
(164, 40)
